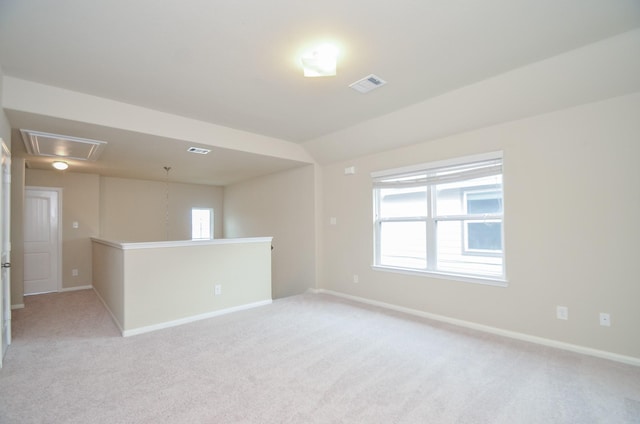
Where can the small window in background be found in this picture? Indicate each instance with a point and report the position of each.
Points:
(201, 224)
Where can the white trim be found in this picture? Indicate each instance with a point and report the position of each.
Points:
(488, 281)
(30, 138)
(187, 320)
(630, 360)
(76, 288)
(17, 306)
(179, 243)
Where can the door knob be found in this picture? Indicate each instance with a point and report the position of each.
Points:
(6, 265)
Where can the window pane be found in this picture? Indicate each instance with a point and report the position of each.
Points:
(403, 244)
(453, 257)
(484, 236)
(403, 202)
(489, 201)
(480, 195)
(201, 220)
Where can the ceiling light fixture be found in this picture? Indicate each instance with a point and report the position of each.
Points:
(60, 165)
(320, 62)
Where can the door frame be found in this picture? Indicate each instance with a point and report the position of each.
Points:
(57, 190)
(5, 227)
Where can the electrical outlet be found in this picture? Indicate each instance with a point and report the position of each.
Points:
(562, 312)
(74, 272)
(218, 289)
(356, 279)
(605, 319)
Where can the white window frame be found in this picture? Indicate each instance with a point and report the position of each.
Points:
(211, 221)
(431, 221)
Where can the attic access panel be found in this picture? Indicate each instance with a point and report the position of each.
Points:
(61, 146)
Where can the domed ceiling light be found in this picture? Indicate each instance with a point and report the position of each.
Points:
(60, 165)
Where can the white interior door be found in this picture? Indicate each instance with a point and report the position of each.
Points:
(41, 240)
(5, 242)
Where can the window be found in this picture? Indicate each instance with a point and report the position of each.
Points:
(483, 236)
(201, 223)
(444, 217)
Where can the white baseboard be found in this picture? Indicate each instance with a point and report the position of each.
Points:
(194, 318)
(630, 360)
(69, 289)
(168, 324)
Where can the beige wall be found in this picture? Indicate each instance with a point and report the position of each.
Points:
(136, 210)
(119, 209)
(80, 195)
(108, 279)
(144, 290)
(281, 205)
(572, 203)
(186, 291)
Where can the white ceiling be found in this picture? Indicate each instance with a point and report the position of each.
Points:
(236, 64)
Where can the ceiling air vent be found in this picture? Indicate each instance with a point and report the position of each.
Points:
(55, 145)
(198, 150)
(368, 83)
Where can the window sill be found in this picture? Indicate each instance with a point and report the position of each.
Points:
(489, 281)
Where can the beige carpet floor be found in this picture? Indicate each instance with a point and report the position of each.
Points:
(303, 359)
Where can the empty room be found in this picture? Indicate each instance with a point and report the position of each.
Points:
(333, 212)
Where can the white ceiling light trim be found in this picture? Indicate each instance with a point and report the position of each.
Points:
(368, 83)
(55, 145)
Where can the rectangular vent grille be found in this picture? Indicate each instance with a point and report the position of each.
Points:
(368, 83)
(198, 150)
